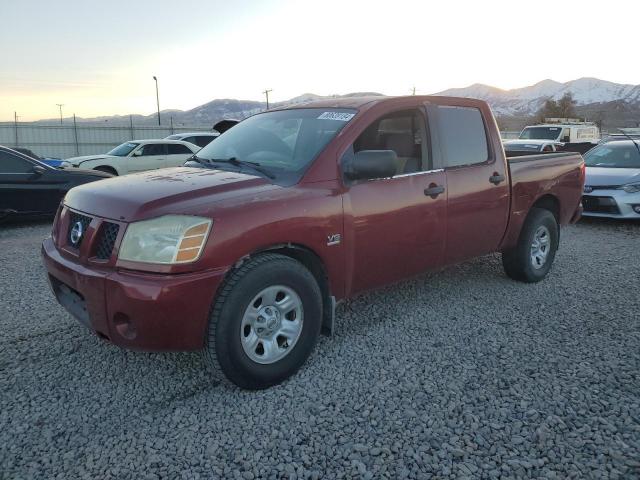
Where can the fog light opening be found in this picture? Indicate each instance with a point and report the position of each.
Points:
(636, 208)
(124, 326)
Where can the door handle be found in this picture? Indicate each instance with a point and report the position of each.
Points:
(434, 190)
(496, 178)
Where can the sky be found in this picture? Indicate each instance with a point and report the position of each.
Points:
(99, 57)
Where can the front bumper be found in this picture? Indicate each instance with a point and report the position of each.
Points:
(611, 204)
(140, 311)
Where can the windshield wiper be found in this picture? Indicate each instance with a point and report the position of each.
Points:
(244, 163)
(201, 161)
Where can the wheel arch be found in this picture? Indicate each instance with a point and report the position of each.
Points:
(312, 262)
(549, 202)
(106, 168)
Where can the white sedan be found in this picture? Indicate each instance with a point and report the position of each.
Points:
(136, 156)
(612, 185)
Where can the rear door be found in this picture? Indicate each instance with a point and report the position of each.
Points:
(177, 154)
(150, 157)
(398, 228)
(477, 180)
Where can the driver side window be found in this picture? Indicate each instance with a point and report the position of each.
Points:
(402, 132)
(10, 163)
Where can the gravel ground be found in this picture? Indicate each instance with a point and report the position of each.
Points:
(460, 374)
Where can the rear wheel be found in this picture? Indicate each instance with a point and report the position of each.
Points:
(531, 260)
(110, 170)
(265, 322)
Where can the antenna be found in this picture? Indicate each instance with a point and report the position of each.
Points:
(632, 140)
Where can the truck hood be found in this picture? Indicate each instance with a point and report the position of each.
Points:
(149, 194)
(602, 176)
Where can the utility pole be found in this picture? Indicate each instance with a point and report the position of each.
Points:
(413, 90)
(266, 93)
(15, 124)
(60, 105)
(157, 99)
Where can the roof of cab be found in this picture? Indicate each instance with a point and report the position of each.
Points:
(159, 140)
(359, 102)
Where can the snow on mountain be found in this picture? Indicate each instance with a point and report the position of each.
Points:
(528, 100)
(520, 102)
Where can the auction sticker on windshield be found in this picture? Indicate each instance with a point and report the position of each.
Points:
(341, 116)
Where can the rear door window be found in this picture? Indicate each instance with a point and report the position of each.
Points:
(177, 149)
(463, 136)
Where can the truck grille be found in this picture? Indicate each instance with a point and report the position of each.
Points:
(600, 205)
(75, 218)
(106, 240)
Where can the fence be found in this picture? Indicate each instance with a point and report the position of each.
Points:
(70, 140)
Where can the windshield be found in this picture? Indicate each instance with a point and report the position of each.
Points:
(283, 143)
(613, 155)
(123, 150)
(540, 133)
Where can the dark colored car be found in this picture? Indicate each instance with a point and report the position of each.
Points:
(30, 188)
(52, 162)
(295, 209)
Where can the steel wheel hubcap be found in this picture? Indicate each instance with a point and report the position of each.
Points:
(271, 324)
(540, 247)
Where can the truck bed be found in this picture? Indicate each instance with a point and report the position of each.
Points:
(552, 177)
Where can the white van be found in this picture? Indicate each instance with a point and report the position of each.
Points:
(579, 132)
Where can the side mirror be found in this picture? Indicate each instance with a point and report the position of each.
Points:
(566, 139)
(38, 170)
(137, 153)
(370, 164)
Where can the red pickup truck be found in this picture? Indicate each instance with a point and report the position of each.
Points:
(245, 251)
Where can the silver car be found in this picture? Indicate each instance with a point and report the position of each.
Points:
(612, 185)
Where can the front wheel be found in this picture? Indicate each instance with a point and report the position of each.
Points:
(265, 321)
(531, 259)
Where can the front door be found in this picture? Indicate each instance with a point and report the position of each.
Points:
(477, 182)
(398, 223)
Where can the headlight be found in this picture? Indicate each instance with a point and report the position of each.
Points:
(631, 187)
(166, 240)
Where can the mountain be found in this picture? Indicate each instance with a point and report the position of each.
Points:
(611, 104)
(528, 100)
(211, 112)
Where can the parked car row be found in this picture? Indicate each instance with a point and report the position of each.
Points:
(612, 185)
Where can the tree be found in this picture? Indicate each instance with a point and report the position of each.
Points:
(567, 106)
(563, 108)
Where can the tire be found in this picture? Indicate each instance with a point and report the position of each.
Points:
(529, 261)
(107, 170)
(234, 346)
